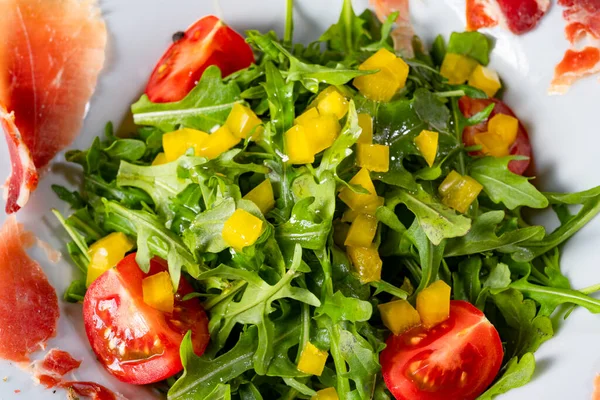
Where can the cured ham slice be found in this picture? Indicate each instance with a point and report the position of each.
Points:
(576, 64)
(583, 19)
(520, 16)
(28, 303)
(56, 364)
(90, 390)
(403, 33)
(51, 52)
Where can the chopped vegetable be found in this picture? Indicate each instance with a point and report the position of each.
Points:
(242, 121)
(158, 292)
(312, 360)
(356, 200)
(374, 157)
(242, 229)
(504, 126)
(333, 103)
(391, 77)
(485, 79)
(459, 192)
(362, 231)
(326, 394)
(367, 263)
(262, 195)
(322, 131)
(217, 143)
(427, 143)
(433, 304)
(399, 316)
(176, 143)
(299, 149)
(492, 144)
(160, 159)
(457, 68)
(306, 116)
(365, 121)
(106, 253)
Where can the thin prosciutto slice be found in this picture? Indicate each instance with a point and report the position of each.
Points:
(51, 52)
(583, 32)
(403, 33)
(520, 16)
(28, 303)
(56, 364)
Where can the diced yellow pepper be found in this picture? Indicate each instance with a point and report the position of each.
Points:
(457, 68)
(504, 126)
(369, 209)
(399, 316)
(355, 200)
(365, 121)
(262, 195)
(485, 79)
(322, 132)
(366, 262)
(433, 304)
(326, 394)
(492, 144)
(160, 159)
(106, 253)
(427, 143)
(374, 157)
(382, 85)
(157, 290)
(312, 360)
(241, 229)
(298, 147)
(306, 116)
(451, 180)
(333, 103)
(458, 192)
(242, 121)
(340, 232)
(362, 231)
(176, 143)
(217, 143)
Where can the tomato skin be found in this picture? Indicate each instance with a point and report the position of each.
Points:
(135, 342)
(457, 359)
(521, 146)
(206, 42)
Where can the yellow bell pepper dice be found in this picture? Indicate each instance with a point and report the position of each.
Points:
(340, 232)
(399, 316)
(312, 360)
(369, 209)
(160, 159)
(242, 229)
(365, 121)
(106, 253)
(326, 394)
(452, 179)
(427, 143)
(306, 116)
(382, 85)
(262, 195)
(157, 292)
(366, 262)
(322, 132)
(433, 304)
(362, 231)
(457, 68)
(492, 144)
(176, 143)
(374, 157)
(298, 147)
(333, 103)
(242, 121)
(355, 200)
(217, 143)
(485, 79)
(504, 126)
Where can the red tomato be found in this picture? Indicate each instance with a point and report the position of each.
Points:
(521, 146)
(135, 342)
(457, 359)
(207, 42)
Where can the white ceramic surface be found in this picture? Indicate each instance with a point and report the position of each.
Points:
(563, 130)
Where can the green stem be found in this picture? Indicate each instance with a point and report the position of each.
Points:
(225, 294)
(590, 289)
(458, 132)
(343, 385)
(289, 24)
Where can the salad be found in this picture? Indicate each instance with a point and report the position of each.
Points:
(325, 221)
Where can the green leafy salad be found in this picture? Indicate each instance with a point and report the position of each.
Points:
(364, 239)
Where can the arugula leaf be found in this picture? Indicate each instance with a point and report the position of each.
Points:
(74, 199)
(205, 107)
(75, 293)
(126, 149)
(346, 35)
(204, 233)
(362, 361)
(304, 227)
(517, 373)
(505, 187)
(281, 101)
(466, 283)
(430, 255)
(472, 44)
(499, 277)
(341, 308)
(437, 221)
(431, 110)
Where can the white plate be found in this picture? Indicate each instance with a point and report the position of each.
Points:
(563, 131)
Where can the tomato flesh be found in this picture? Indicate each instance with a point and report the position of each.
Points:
(207, 42)
(457, 359)
(135, 342)
(521, 146)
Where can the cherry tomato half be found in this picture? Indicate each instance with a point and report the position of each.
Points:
(207, 42)
(457, 359)
(135, 342)
(521, 146)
